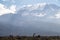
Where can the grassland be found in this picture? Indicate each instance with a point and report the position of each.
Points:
(30, 37)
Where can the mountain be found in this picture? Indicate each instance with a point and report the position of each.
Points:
(47, 13)
(42, 28)
(42, 19)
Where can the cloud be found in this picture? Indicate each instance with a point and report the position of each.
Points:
(41, 4)
(39, 15)
(56, 0)
(13, 8)
(5, 10)
(32, 10)
(36, 14)
(13, 1)
(34, 6)
(3, 0)
(56, 16)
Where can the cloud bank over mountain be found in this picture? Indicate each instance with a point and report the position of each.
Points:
(41, 17)
(41, 10)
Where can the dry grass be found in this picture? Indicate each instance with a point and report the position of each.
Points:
(30, 38)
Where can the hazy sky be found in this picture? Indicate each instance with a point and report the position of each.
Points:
(24, 2)
(10, 6)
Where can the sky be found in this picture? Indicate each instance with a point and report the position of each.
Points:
(25, 2)
(8, 5)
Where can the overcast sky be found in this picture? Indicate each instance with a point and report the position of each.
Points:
(25, 2)
(11, 6)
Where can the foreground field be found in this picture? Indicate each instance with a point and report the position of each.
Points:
(30, 38)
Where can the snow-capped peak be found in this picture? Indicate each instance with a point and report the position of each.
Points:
(33, 7)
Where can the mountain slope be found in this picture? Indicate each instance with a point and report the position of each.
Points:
(42, 28)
